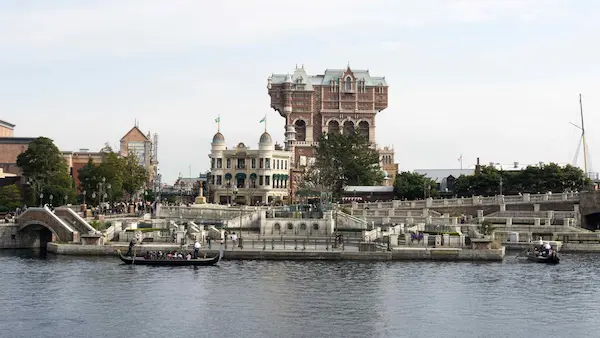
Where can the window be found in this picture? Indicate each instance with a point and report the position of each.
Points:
(333, 127)
(219, 163)
(300, 126)
(349, 127)
(268, 163)
(228, 163)
(253, 163)
(260, 180)
(212, 163)
(241, 163)
(138, 149)
(348, 84)
(212, 179)
(262, 163)
(219, 179)
(285, 162)
(267, 178)
(363, 128)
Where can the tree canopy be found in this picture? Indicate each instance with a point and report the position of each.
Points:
(409, 185)
(46, 170)
(10, 198)
(121, 174)
(533, 179)
(342, 160)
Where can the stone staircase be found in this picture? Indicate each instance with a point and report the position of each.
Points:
(347, 221)
(75, 221)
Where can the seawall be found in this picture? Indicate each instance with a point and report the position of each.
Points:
(397, 254)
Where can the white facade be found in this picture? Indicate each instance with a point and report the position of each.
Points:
(249, 176)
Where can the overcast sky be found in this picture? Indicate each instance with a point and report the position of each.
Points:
(495, 79)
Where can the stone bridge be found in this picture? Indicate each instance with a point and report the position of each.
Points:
(65, 224)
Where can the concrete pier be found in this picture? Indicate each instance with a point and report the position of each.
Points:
(397, 254)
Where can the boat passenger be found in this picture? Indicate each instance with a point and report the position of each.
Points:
(196, 249)
(547, 248)
(188, 257)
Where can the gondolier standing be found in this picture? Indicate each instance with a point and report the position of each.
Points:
(131, 245)
(196, 249)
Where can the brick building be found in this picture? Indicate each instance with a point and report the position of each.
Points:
(143, 146)
(11, 147)
(337, 101)
(78, 159)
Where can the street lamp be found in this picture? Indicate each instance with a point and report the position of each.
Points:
(51, 197)
(235, 192)
(83, 193)
(41, 200)
(66, 197)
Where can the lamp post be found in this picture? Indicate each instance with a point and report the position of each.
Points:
(41, 200)
(208, 183)
(235, 192)
(51, 198)
(83, 193)
(66, 198)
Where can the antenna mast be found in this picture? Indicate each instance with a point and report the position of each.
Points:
(583, 138)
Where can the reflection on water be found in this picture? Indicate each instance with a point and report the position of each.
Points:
(48, 296)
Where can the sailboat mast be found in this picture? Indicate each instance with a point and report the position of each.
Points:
(583, 138)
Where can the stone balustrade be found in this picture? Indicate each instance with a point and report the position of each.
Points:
(470, 201)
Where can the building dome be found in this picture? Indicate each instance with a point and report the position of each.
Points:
(265, 138)
(218, 138)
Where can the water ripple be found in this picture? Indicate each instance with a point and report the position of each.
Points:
(98, 297)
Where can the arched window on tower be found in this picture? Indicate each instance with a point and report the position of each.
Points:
(349, 127)
(348, 84)
(300, 130)
(363, 128)
(333, 127)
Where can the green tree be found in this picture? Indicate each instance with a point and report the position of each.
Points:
(10, 197)
(134, 176)
(346, 159)
(46, 170)
(89, 177)
(411, 186)
(111, 169)
(533, 179)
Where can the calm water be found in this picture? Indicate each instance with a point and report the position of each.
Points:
(99, 297)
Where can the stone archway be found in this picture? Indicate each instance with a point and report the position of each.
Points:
(37, 234)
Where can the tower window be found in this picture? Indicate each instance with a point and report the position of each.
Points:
(348, 84)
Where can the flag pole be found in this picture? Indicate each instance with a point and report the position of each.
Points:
(265, 123)
(219, 123)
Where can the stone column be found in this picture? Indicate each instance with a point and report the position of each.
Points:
(390, 212)
(550, 214)
(509, 221)
(536, 207)
(576, 207)
(412, 204)
(536, 221)
(526, 197)
(566, 221)
(438, 241)
(425, 212)
(393, 240)
(428, 220)
(565, 196)
(395, 204)
(429, 202)
(480, 215)
(502, 207)
(454, 221)
(425, 239)
(446, 239)
(461, 240)
(548, 221)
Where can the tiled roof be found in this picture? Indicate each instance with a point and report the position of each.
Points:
(330, 74)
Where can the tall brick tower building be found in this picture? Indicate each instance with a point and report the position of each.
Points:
(337, 101)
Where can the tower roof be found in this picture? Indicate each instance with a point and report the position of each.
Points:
(266, 138)
(218, 138)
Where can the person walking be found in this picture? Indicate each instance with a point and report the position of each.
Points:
(196, 249)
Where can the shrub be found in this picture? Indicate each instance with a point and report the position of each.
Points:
(486, 228)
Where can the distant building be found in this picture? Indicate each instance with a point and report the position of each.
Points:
(367, 194)
(249, 176)
(78, 159)
(6, 129)
(144, 147)
(444, 178)
(337, 101)
(388, 165)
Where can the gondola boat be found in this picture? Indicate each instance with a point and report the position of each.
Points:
(170, 261)
(532, 256)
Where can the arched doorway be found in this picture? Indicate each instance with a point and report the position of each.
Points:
(333, 127)
(363, 128)
(300, 126)
(349, 127)
(592, 221)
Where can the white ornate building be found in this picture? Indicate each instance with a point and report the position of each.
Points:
(249, 176)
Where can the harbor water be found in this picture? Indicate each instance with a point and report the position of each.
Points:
(58, 296)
